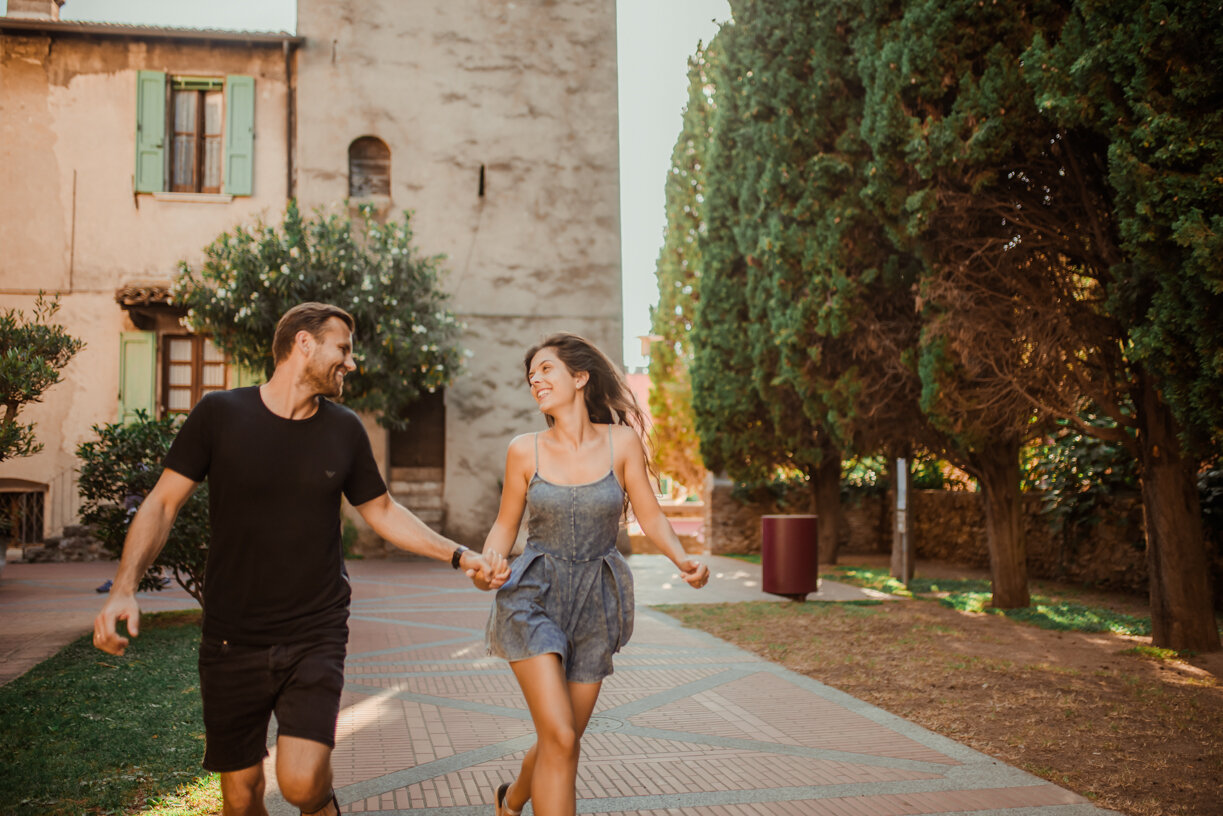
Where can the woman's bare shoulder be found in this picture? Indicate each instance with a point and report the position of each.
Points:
(522, 445)
(625, 438)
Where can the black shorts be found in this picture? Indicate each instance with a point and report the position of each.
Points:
(243, 685)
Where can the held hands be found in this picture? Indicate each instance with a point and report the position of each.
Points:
(118, 607)
(488, 570)
(694, 572)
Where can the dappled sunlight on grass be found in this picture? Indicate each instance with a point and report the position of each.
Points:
(974, 595)
(200, 797)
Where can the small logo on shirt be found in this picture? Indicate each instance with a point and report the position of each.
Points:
(329, 473)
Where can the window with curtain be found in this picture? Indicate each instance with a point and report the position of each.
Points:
(198, 126)
(195, 134)
(192, 367)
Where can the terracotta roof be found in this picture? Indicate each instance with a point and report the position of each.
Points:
(150, 293)
(17, 24)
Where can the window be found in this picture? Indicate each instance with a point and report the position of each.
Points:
(369, 168)
(21, 514)
(167, 372)
(196, 123)
(192, 366)
(194, 134)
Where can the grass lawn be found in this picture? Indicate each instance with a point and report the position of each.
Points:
(88, 733)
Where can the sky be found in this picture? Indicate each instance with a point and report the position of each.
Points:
(654, 40)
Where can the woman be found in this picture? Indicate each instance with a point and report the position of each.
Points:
(568, 603)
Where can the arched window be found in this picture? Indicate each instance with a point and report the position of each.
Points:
(369, 168)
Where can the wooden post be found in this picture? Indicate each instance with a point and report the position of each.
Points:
(902, 537)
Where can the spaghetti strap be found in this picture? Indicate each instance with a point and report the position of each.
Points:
(536, 435)
(610, 449)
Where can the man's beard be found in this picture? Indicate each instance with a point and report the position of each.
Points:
(324, 381)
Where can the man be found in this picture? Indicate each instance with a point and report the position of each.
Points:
(276, 595)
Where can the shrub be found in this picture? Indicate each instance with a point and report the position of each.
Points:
(118, 470)
(406, 338)
(33, 351)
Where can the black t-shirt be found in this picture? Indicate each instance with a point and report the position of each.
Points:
(275, 570)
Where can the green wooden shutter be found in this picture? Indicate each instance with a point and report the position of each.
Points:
(240, 376)
(150, 131)
(239, 134)
(137, 374)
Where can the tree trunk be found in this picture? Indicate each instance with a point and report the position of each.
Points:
(826, 486)
(1182, 616)
(998, 472)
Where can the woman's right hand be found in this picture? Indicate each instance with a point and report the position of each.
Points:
(494, 570)
(695, 573)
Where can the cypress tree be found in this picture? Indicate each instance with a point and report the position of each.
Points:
(1143, 85)
(958, 147)
(676, 446)
(738, 429)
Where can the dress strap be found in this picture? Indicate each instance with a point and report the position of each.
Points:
(610, 449)
(536, 435)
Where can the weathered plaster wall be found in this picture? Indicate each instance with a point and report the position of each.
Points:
(69, 222)
(67, 121)
(528, 90)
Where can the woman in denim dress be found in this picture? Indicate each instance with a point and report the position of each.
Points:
(568, 603)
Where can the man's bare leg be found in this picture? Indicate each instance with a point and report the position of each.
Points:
(242, 792)
(303, 769)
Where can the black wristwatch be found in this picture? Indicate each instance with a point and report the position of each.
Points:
(457, 556)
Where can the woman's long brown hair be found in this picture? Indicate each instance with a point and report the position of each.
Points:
(609, 400)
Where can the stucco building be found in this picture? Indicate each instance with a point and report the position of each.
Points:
(126, 149)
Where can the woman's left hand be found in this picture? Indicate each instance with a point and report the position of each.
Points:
(694, 572)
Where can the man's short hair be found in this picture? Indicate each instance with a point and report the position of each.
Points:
(311, 317)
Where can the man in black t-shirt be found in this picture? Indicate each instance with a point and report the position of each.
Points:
(277, 457)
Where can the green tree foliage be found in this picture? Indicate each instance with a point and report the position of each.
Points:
(118, 469)
(1146, 80)
(970, 178)
(406, 338)
(1141, 84)
(33, 352)
(731, 420)
(676, 446)
(1076, 475)
(1036, 185)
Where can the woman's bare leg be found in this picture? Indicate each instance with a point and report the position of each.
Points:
(551, 778)
(583, 697)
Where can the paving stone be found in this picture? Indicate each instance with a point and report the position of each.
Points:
(687, 726)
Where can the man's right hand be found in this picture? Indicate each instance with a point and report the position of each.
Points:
(119, 606)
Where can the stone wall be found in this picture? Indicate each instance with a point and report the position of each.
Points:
(950, 526)
(502, 124)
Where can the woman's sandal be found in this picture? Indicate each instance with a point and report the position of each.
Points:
(501, 808)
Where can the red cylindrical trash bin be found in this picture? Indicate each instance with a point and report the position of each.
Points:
(790, 555)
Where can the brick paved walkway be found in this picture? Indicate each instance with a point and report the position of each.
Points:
(688, 725)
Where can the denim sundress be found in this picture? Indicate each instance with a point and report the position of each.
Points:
(570, 592)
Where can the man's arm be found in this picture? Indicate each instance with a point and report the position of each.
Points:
(145, 538)
(401, 527)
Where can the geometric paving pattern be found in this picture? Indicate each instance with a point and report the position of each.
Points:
(687, 726)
